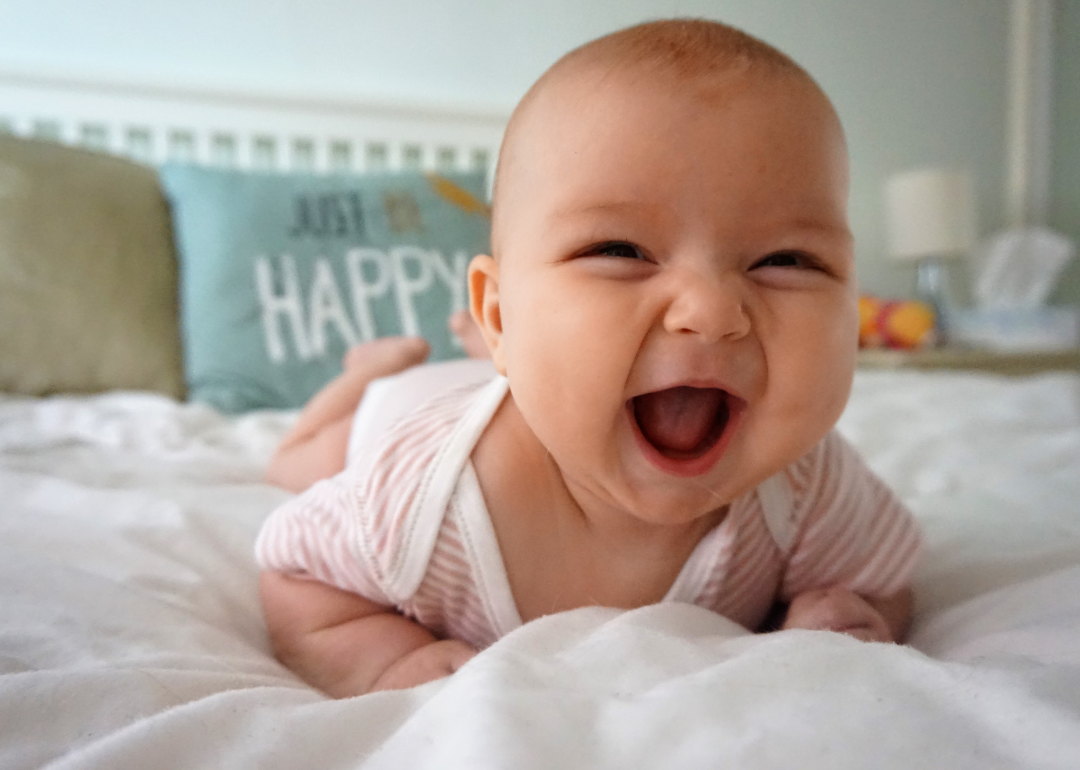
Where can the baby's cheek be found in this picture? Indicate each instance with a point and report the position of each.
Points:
(563, 406)
(811, 382)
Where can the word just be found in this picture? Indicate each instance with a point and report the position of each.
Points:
(404, 272)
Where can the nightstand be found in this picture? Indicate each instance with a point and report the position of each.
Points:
(981, 360)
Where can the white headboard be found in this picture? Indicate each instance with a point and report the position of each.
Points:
(247, 131)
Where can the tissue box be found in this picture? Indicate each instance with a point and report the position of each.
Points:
(1034, 329)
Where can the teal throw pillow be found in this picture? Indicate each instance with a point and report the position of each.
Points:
(281, 274)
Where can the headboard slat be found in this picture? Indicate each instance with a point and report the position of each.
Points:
(259, 132)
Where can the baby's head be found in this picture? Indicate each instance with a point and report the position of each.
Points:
(671, 289)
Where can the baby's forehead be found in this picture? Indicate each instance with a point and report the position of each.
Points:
(626, 84)
(546, 130)
(633, 88)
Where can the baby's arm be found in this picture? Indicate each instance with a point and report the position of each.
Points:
(853, 563)
(838, 609)
(345, 645)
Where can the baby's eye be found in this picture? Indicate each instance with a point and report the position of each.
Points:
(785, 259)
(617, 249)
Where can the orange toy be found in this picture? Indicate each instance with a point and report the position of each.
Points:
(869, 308)
(902, 324)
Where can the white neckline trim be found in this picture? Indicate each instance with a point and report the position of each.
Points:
(478, 532)
(778, 506)
(425, 515)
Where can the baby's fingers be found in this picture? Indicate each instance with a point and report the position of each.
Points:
(837, 609)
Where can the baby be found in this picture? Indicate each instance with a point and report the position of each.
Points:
(670, 311)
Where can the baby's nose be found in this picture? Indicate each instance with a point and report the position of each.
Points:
(713, 307)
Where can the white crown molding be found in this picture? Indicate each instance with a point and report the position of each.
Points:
(283, 99)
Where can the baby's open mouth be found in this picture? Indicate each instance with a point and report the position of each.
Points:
(682, 423)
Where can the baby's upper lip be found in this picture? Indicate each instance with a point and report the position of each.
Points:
(691, 381)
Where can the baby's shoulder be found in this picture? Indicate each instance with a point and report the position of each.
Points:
(389, 403)
(829, 476)
(832, 483)
(418, 457)
(401, 452)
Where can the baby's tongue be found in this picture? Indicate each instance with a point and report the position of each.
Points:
(678, 419)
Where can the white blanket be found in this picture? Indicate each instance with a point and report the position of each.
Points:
(131, 636)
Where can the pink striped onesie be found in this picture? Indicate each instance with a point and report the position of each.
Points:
(405, 524)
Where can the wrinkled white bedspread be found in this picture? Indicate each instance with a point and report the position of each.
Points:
(131, 637)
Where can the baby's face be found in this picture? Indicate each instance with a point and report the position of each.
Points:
(675, 286)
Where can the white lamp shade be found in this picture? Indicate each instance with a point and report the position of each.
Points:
(930, 214)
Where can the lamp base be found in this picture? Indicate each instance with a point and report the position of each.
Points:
(932, 287)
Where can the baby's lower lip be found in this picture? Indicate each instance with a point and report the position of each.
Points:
(690, 466)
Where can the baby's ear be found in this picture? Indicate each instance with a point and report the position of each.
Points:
(484, 305)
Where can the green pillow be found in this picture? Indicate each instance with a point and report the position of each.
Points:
(87, 274)
(281, 274)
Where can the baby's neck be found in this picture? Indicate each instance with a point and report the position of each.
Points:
(562, 545)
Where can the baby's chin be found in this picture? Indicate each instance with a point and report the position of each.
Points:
(674, 508)
(666, 500)
(754, 455)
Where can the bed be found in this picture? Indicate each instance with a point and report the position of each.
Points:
(130, 628)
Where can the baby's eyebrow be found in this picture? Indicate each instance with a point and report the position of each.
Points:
(809, 225)
(819, 228)
(604, 207)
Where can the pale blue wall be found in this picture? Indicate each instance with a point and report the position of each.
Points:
(915, 81)
(1065, 161)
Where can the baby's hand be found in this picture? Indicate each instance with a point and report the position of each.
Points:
(837, 609)
(425, 664)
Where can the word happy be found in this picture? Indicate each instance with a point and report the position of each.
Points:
(310, 310)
